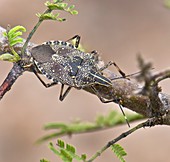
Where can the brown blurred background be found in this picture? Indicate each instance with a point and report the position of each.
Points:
(118, 29)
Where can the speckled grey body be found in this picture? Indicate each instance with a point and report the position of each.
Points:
(61, 62)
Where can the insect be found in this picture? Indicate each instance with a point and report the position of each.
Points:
(61, 62)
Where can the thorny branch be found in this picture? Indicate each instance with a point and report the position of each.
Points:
(146, 100)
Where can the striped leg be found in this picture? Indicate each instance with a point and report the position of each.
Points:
(63, 95)
(77, 38)
(47, 85)
(108, 101)
(117, 67)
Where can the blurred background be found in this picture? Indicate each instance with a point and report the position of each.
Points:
(118, 30)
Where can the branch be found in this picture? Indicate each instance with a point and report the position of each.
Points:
(17, 69)
(152, 104)
(15, 72)
(102, 122)
(148, 123)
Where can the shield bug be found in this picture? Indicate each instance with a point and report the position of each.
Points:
(62, 62)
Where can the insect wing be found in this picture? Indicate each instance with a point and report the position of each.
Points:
(53, 66)
(42, 53)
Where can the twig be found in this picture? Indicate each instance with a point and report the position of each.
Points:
(102, 122)
(13, 75)
(124, 89)
(149, 122)
(32, 32)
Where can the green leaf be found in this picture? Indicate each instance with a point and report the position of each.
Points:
(61, 6)
(113, 118)
(12, 35)
(65, 156)
(61, 153)
(15, 29)
(50, 16)
(56, 6)
(61, 19)
(74, 12)
(7, 57)
(70, 148)
(16, 34)
(61, 143)
(15, 41)
(4, 34)
(55, 126)
(167, 3)
(119, 152)
(72, 7)
(83, 157)
(47, 16)
(57, 1)
(44, 160)
(66, 152)
(100, 120)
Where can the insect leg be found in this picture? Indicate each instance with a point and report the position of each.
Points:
(119, 70)
(117, 67)
(94, 52)
(109, 64)
(47, 85)
(100, 97)
(106, 66)
(77, 38)
(63, 95)
(113, 100)
(121, 108)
